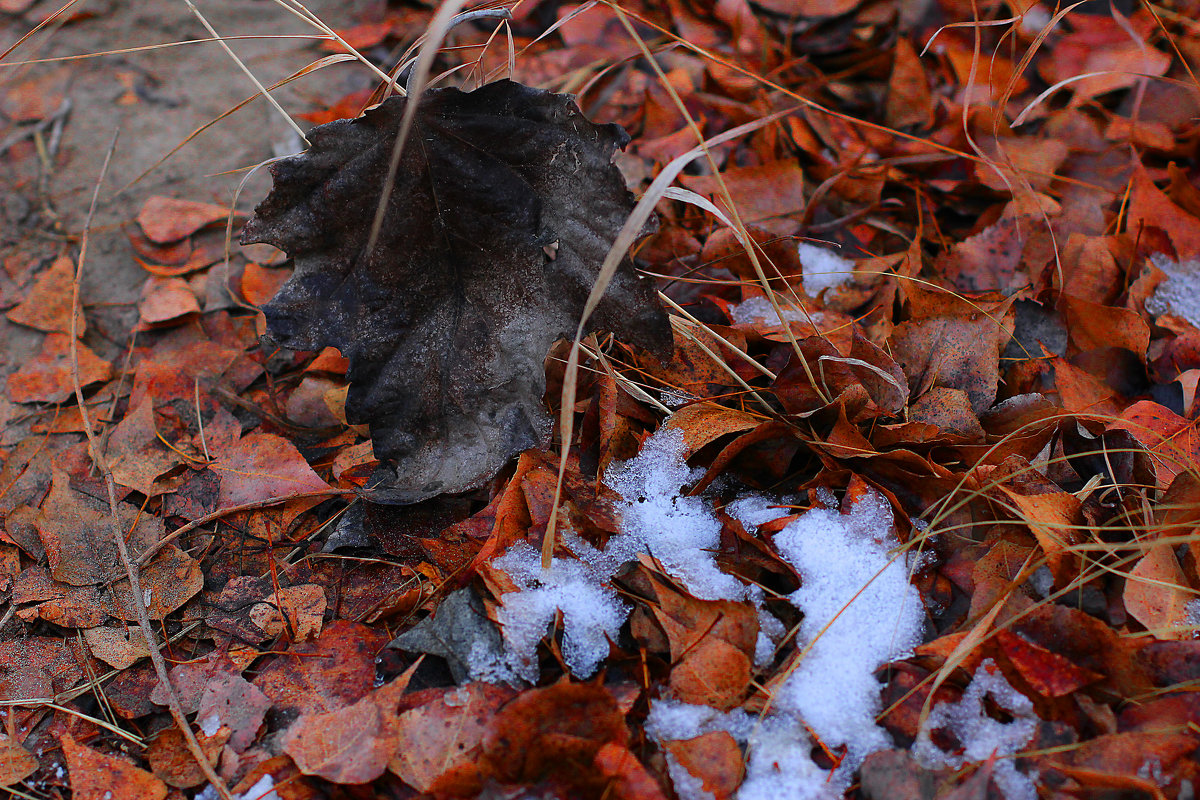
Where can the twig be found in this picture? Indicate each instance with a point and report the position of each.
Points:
(135, 584)
(207, 518)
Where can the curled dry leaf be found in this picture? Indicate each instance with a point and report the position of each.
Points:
(505, 204)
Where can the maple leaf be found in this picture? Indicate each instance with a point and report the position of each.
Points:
(505, 204)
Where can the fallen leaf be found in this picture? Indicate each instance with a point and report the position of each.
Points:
(315, 677)
(48, 377)
(485, 257)
(48, 306)
(166, 219)
(77, 532)
(97, 776)
(166, 300)
(1157, 595)
(1173, 442)
(959, 352)
(552, 731)
(262, 466)
(352, 744)
(714, 759)
(16, 763)
(440, 741)
(230, 701)
(119, 647)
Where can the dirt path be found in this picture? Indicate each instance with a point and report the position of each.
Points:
(156, 98)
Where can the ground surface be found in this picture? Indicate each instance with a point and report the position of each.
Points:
(156, 98)
(897, 494)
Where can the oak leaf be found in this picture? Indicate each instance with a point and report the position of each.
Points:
(504, 206)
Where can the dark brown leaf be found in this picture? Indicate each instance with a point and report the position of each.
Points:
(505, 205)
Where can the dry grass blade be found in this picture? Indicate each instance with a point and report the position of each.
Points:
(625, 239)
(262, 90)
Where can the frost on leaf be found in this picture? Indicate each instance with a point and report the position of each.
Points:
(505, 204)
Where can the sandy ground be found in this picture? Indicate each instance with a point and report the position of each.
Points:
(156, 98)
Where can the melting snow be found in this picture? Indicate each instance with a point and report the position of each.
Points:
(759, 309)
(860, 612)
(1179, 294)
(823, 268)
(592, 614)
(980, 735)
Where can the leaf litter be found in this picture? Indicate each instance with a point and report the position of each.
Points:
(899, 500)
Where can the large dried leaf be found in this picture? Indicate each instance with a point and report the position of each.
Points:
(505, 205)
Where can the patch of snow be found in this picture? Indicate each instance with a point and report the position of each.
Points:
(1179, 294)
(1035, 19)
(672, 398)
(489, 665)
(759, 309)
(823, 268)
(210, 724)
(681, 532)
(980, 735)
(860, 612)
(592, 613)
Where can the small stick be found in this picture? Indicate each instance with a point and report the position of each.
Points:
(207, 518)
(135, 584)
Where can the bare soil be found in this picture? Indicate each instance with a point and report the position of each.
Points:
(155, 98)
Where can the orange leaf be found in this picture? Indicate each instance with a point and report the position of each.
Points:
(1173, 441)
(48, 306)
(47, 378)
(1157, 594)
(262, 466)
(165, 219)
(97, 776)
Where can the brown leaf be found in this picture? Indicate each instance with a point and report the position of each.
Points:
(713, 758)
(165, 219)
(712, 643)
(704, 423)
(119, 647)
(959, 352)
(96, 776)
(950, 410)
(230, 701)
(172, 761)
(1149, 206)
(352, 744)
(16, 763)
(629, 780)
(765, 195)
(77, 532)
(1173, 442)
(439, 742)
(1092, 326)
(47, 378)
(262, 466)
(1157, 594)
(57, 603)
(166, 300)
(554, 731)
(909, 101)
(490, 244)
(169, 580)
(37, 667)
(315, 677)
(1046, 672)
(48, 306)
(137, 456)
